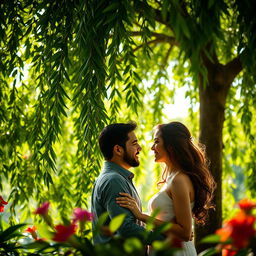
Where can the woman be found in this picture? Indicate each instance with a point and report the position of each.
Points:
(188, 185)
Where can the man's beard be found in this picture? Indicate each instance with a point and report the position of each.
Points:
(129, 160)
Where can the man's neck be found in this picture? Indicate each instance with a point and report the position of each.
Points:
(120, 163)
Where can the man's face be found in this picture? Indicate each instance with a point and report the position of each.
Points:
(131, 152)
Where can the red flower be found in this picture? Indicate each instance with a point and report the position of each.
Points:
(224, 233)
(246, 205)
(240, 229)
(64, 232)
(227, 252)
(2, 204)
(43, 210)
(32, 231)
(82, 215)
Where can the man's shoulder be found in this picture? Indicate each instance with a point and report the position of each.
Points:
(109, 181)
(110, 177)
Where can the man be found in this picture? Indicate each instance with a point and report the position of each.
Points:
(120, 148)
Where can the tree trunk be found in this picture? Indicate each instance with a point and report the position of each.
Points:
(211, 124)
(212, 109)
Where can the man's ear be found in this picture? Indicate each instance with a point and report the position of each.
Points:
(118, 150)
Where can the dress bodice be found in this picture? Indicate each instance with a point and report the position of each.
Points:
(164, 204)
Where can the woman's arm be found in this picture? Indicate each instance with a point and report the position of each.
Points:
(180, 192)
(182, 228)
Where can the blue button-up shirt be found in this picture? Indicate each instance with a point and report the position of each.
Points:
(113, 180)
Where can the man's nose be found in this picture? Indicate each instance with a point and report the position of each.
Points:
(140, 148)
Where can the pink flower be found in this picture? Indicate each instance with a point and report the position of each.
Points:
(43, 210)
(64, 232)
(82, 215)
(2, 204)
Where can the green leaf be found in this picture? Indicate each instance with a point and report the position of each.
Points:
(36, 245)
(102, 219)
(44, 231)
(211, 239)
(10, 232)
(116, 222)
(158, 245)
(210, 3)
(208, 252)
(184, 27)
(132, 244)
(111, 7)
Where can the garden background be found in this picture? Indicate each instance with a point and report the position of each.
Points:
(68, 68)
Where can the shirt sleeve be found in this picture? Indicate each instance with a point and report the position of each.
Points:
(111, 191)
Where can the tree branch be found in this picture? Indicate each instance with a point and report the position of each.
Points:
(234, 67)
(221, 76)
(149, 42)
(167, 56)
(209, 62)
(159, 37)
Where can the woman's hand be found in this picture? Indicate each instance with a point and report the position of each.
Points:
(130, 203)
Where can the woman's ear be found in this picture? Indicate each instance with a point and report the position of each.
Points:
(118, 150)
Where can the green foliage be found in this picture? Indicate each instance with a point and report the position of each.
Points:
(69, 68)
(116, 222)
(16, 243)
(9, 238)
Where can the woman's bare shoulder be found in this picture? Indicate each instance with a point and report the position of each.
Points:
(181, 182)
(180, 178)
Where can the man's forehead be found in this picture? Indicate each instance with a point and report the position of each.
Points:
(132, 136)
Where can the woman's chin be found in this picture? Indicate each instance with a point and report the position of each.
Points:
(159, 160)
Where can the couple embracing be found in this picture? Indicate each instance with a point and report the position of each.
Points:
(186, 192)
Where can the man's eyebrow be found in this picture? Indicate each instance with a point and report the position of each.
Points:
(134, 141)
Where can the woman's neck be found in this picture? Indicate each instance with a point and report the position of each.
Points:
(171, 169)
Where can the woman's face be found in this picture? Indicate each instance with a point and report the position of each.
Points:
(158, 147)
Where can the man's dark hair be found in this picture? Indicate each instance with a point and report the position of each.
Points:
(114, 134)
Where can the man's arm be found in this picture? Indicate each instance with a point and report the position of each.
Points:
(111, 191)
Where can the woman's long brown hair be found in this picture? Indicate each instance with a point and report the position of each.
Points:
(192, 161)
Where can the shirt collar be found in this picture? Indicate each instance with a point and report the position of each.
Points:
(110, 166)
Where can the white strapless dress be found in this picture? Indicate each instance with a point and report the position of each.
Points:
(164, 204)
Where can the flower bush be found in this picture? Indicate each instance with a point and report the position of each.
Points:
(236, 237)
